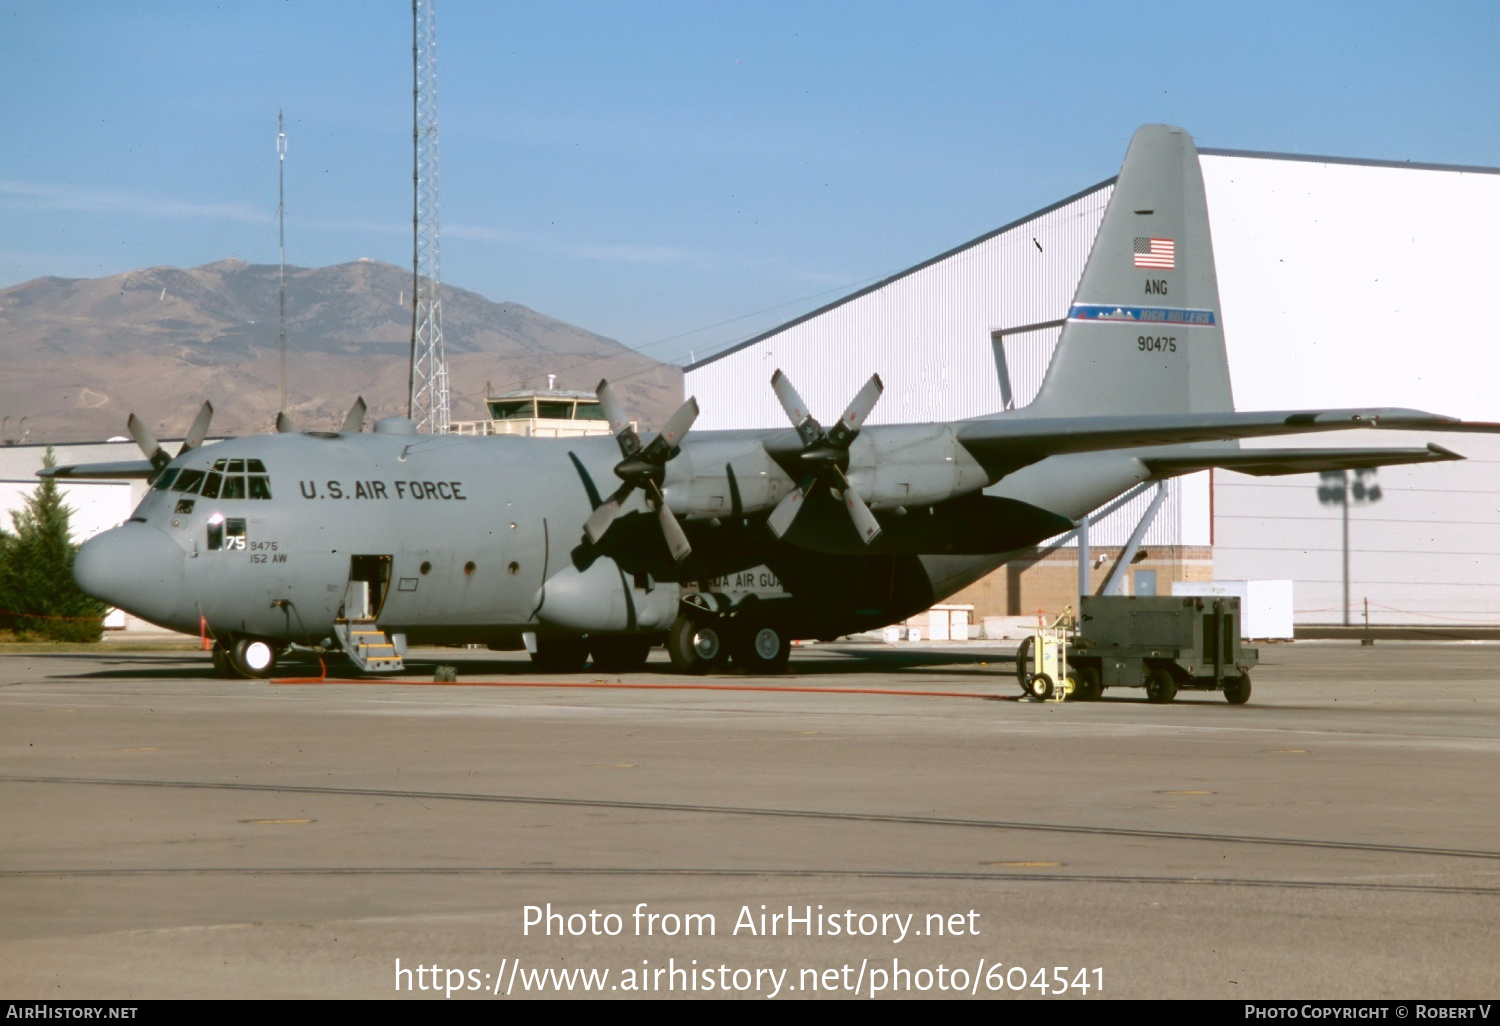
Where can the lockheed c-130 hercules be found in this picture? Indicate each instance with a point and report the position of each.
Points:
(386, 539)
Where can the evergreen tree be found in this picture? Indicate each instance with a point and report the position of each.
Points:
(37, 595)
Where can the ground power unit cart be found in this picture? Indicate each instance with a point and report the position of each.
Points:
(1163, 645)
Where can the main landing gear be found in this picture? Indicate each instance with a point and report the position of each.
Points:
(699, 646)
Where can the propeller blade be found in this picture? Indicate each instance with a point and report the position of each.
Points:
(355, 421)
(284, 424)
(148, 443)
(660, 449)
(599, 521)
(864, 521)
(677, 542)
(780, 520)
(854, 417)
(679, 423)
(619, 423)
(808, 430)
(199, 431)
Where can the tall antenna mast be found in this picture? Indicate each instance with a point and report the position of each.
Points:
(428, 403)
(281, 238)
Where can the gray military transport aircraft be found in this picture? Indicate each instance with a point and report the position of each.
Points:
(369, 542)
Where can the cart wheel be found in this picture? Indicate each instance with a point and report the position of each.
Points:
(1040, 687)
(1089, 688)
(1238, 693)
(1160, 687)
(1023, 664)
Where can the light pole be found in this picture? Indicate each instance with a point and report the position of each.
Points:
(1335, 488)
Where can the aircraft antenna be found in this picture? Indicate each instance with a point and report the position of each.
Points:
(281, 241)
(428, 378)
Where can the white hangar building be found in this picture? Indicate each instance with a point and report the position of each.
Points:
(1343, 283)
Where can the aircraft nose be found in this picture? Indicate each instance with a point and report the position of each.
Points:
(135, 567)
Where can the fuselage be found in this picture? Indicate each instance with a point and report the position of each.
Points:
(451, 539)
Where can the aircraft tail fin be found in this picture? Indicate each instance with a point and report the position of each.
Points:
(1144, 333)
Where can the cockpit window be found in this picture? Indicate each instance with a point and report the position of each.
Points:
(189, 480)
(227, 480)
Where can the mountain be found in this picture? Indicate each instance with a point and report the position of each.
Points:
(78, 354)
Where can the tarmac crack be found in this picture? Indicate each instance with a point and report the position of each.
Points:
(859, 874)
(734, 810)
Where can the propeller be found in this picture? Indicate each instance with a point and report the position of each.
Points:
(355, 421)
(826, 456)
(284, 423)
(152, 448)
(643, 467)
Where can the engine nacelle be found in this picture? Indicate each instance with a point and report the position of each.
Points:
(605, 598)
(724, 479)
(912, 465)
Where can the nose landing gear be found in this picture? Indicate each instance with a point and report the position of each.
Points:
(245, 658)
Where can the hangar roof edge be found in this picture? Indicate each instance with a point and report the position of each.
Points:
(1202, 150)
(1308, 158)
(882, 283)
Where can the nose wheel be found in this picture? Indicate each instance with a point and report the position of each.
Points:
(246, 658)
(220, 657)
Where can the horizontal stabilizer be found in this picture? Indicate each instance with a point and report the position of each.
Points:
(101, 471)
(1006, 443)
(1271, 462)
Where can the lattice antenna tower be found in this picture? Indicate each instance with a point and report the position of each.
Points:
(281, 246)
(428, 404)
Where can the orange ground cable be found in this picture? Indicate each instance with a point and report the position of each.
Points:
(620, 685)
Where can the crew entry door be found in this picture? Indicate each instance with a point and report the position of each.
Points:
(369, 579)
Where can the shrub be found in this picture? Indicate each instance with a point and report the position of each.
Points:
(38, 598)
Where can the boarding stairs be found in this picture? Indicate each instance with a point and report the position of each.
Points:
(371, 648)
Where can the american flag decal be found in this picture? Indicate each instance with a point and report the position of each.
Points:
(1158, 253)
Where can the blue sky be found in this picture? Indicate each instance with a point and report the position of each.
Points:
(675, 176)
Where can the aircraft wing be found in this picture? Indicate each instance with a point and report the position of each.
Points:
(101, 471)
(1003, 444)
(1271, 462)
